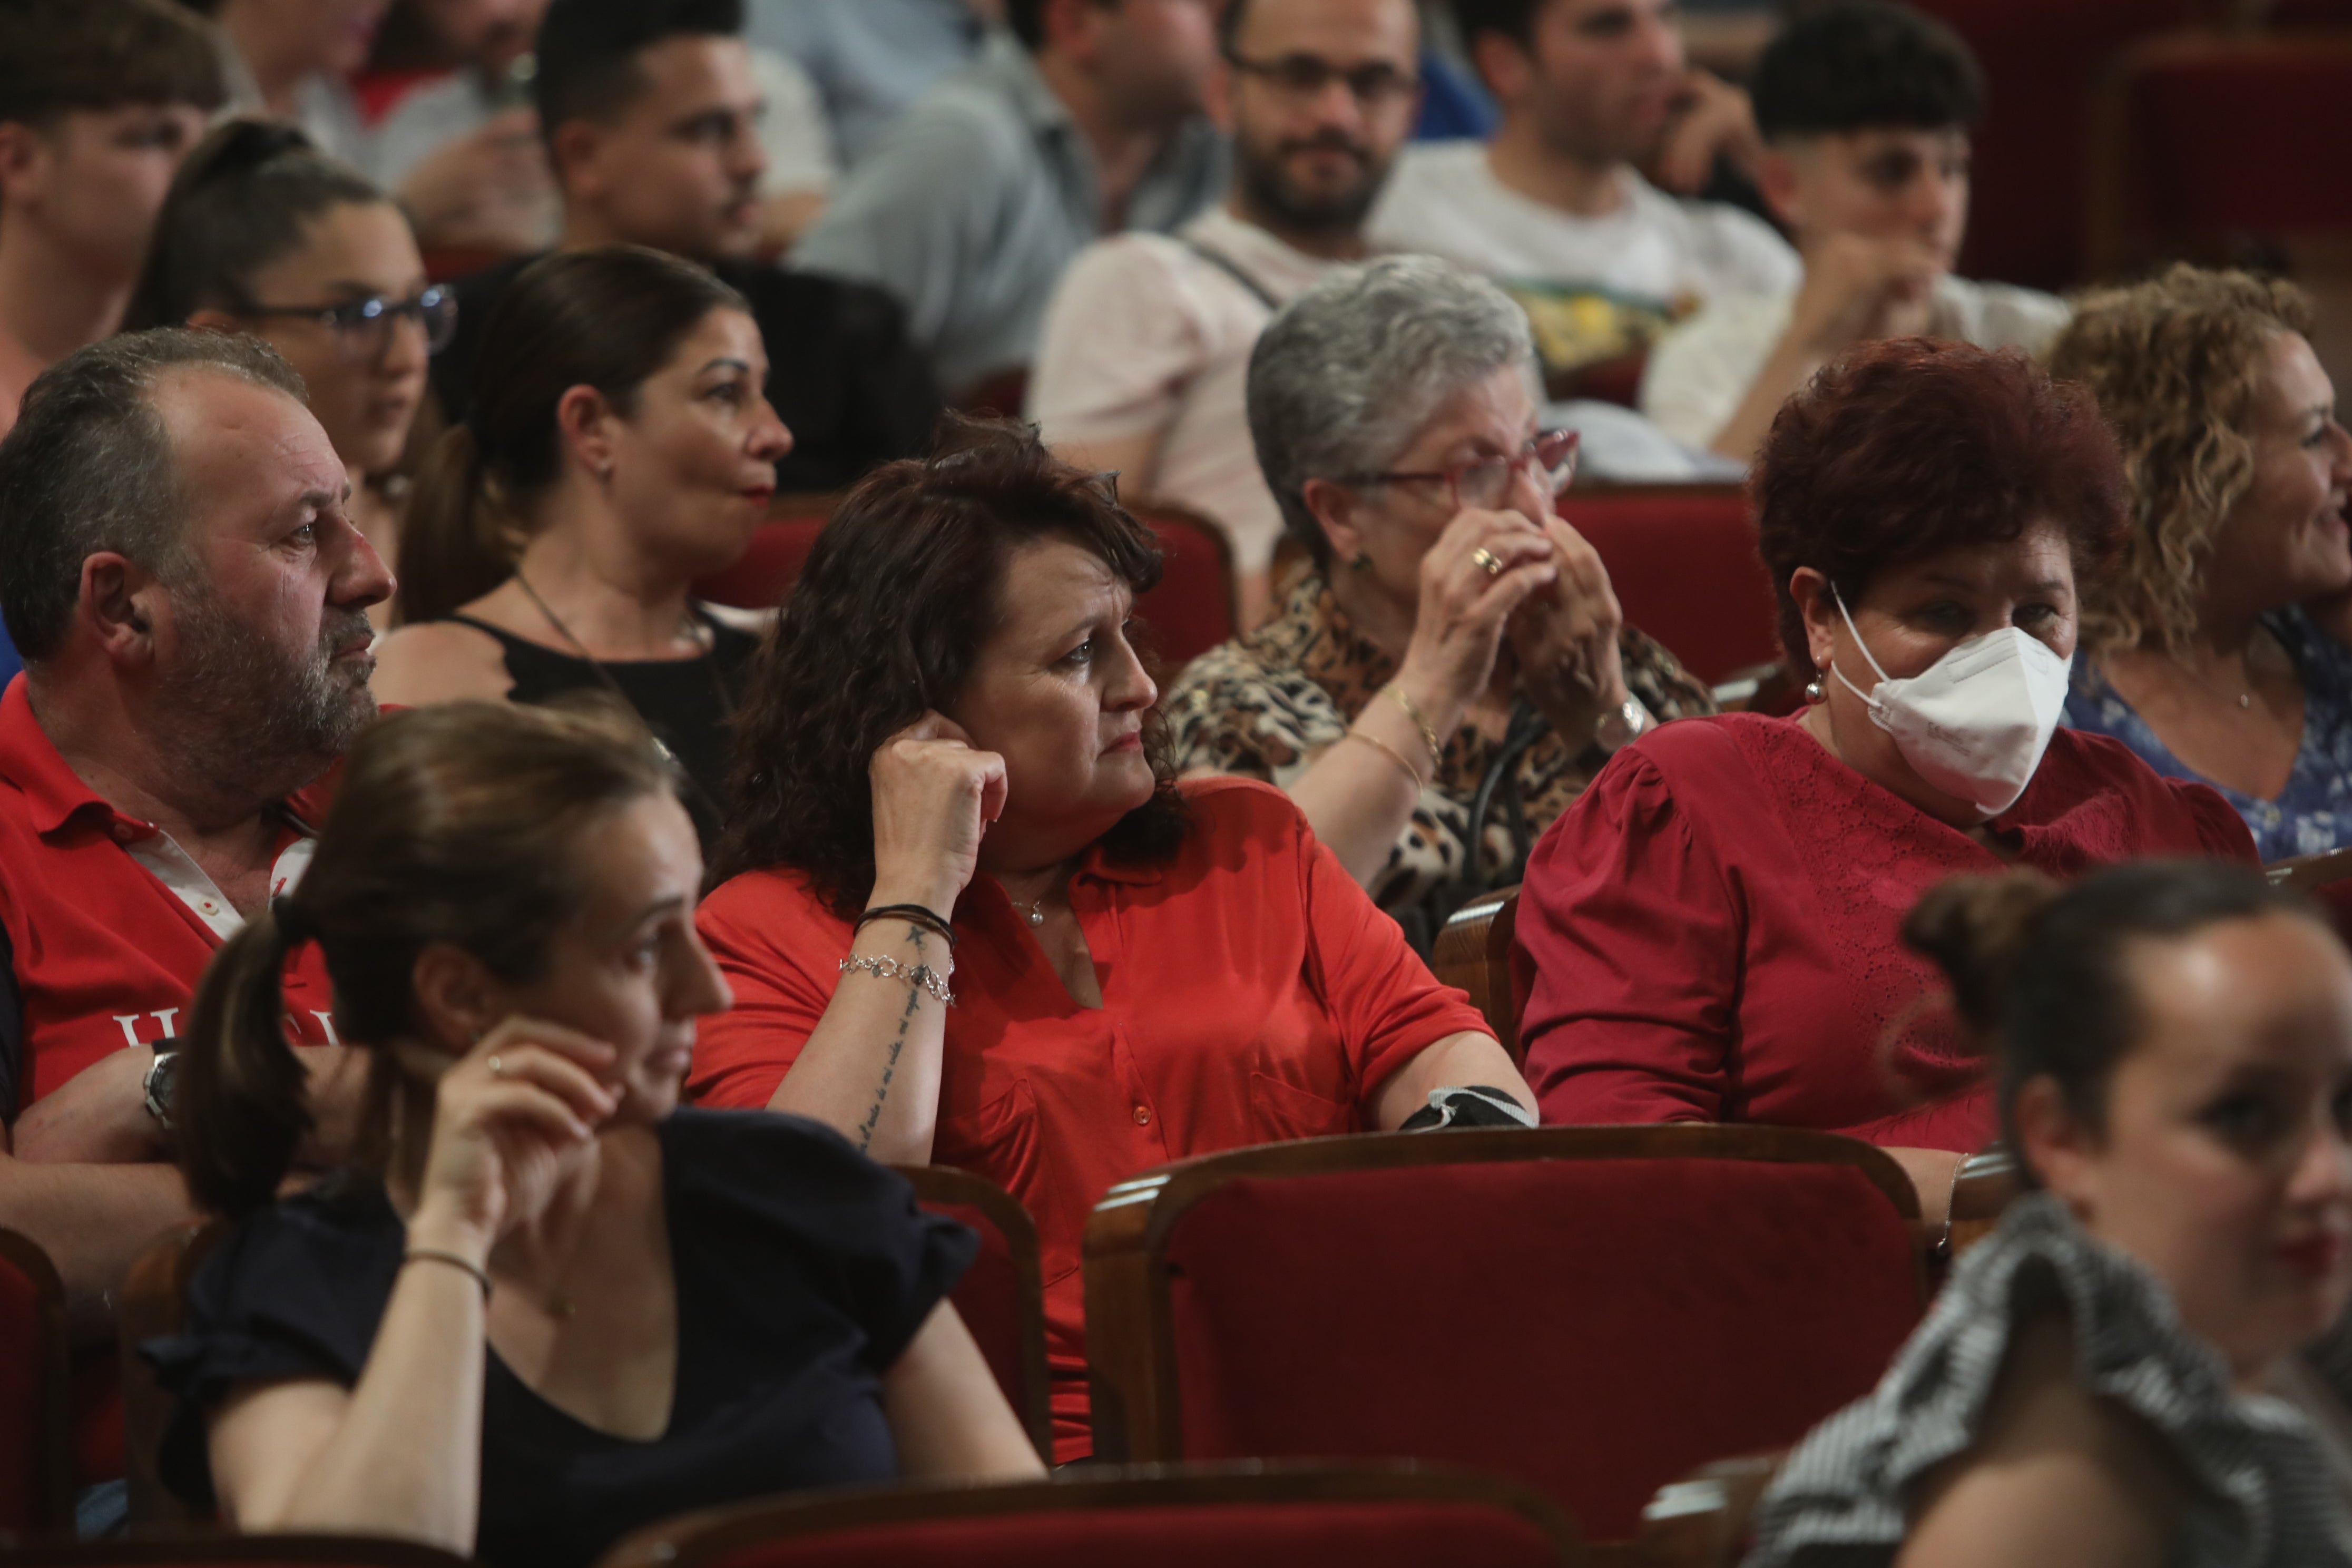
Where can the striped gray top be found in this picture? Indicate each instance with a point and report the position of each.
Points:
(2270, 1492)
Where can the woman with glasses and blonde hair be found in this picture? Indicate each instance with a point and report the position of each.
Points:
(2197, 652)
(264, 234)
(1453, 669)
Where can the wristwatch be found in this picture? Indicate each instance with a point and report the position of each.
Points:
(160, 1077)
(1622, 725)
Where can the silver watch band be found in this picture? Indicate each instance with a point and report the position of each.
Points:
(1622, 726)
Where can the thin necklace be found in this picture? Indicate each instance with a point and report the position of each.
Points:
(708, 658)
(2245, 699)
(1035, 912)
(688, 627)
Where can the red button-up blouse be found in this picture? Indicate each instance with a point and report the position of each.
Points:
(1711, 932)
(1252, 992)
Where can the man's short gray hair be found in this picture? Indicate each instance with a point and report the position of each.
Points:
(1347, 375)
(90, 468)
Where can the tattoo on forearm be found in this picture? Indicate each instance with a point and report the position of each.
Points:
(899, 1044)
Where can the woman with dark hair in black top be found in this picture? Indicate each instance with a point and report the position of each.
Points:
(545, 1307)
(618, 446)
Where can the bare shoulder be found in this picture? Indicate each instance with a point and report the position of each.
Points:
(439, 661)
(2059, 1474)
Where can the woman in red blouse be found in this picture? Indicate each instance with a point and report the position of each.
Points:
(1710, 934)
(950, 783)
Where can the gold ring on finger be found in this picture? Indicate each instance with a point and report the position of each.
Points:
(497, 1068)
(1487, 561)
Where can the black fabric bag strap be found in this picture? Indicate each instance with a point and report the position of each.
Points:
(1233, 270)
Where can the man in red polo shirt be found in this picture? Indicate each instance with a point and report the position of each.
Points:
(177, 568)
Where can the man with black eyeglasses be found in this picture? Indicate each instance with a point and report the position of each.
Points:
(1556, 207)
(1147, 343)
(1084, 122)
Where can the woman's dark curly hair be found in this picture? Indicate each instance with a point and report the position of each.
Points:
(1909, 448)
(888, 617)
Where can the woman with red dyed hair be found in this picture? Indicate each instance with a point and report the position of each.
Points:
(1710, 933)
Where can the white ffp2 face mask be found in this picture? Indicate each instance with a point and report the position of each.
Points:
(1975, 722)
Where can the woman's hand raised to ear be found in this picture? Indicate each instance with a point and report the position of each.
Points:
(1464, 606)
(934, 796)
(512, 1120)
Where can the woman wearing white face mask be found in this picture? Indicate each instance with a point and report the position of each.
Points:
(1710, 932)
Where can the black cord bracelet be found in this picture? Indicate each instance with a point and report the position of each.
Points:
(914, 914)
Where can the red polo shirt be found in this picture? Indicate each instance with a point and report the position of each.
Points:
(107, 954)
(1252, 992)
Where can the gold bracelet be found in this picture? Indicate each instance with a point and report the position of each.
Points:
(435, 1254)
(1420, 721)
(1394, 755)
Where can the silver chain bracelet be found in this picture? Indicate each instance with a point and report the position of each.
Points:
(921, 976)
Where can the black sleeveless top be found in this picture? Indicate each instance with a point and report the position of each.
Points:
(679, 700)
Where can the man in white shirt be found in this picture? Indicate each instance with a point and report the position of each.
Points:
(1082, 120)
(463, 152)
(1553, 207)
(1145, 348)
(1865, 107)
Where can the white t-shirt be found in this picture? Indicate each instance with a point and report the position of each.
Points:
(1595, 289)
(1145, 333)
(1700, 373)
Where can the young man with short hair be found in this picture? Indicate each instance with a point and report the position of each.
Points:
(1554, 207)
(1146, 350)
(1084, 122)
(1865, 108)
(650, 110)
(98, 101)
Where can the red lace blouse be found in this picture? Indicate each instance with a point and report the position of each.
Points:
(1710, 933)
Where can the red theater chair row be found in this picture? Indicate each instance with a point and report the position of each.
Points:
(2185, 161)
(1193, 609)
(1253, 1516)
(1589, 1313)
(1681, 558)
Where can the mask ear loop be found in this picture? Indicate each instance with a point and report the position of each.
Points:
(1864, 646)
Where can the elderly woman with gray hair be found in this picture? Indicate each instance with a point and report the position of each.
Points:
(1453, 669)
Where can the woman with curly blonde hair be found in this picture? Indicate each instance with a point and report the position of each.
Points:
(2198, 652)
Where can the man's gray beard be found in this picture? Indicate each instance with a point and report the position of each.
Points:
(240, 718)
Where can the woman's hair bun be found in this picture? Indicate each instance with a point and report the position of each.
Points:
(245, 144)
(1976, 928)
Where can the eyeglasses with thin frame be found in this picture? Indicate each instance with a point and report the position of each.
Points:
(362, 328)
(1374, 86)
(1485, 483)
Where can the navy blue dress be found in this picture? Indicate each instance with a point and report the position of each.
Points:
(803, 1270)
(2313, 814)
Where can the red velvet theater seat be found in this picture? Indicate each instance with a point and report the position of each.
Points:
(2043, 61)
(1250, 1517)
(1594, 1311)
(1002, 1296)
(1683, 560)
(35, 1422)
(764, 576)
(1194, 607)
(2195, 149)
(1191, 610)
